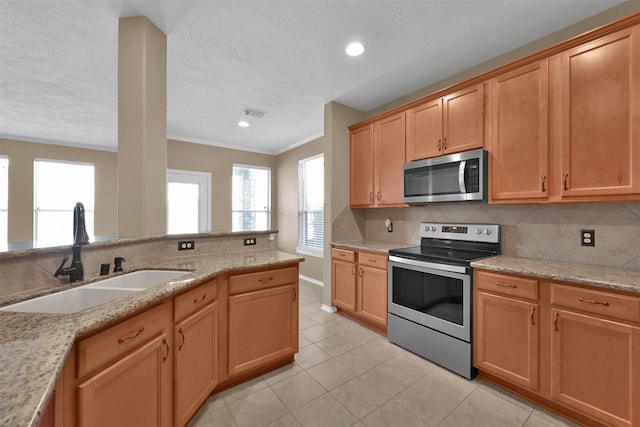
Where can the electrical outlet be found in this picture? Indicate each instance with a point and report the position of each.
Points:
(186, 245)
(250, 241)
(587, 237)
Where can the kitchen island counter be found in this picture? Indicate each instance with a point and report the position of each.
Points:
(34, 347)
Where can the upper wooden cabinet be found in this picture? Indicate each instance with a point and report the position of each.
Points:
(600, 117)
(377, 152)
(445, 125)
(519, 145)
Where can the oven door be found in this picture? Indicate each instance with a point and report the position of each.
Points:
(431, 296)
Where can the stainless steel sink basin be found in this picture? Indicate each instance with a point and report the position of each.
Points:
(139, 280)
(87, 296)
(69, 301)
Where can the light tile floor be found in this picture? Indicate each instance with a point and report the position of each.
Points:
(347, 375)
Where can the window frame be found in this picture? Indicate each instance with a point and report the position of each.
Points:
(301, 247)
(269, 196)
(203, 180)
(4, 210)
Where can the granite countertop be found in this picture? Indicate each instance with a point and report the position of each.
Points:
(614, 278)
(369, 245)
(34, 347)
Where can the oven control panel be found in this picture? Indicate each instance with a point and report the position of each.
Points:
(489, 233)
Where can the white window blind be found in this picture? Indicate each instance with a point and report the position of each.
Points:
(251, 198)
(4, 202)
(58, 186)
(311, 205)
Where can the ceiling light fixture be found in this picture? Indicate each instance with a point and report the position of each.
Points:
(355, 49)
(243, 124)
(253, 113)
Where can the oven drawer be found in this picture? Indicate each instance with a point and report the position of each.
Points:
(373, 260)
(343, 254)
(596, 302)
(506, 284)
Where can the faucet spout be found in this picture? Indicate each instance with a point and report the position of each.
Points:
(80, 237)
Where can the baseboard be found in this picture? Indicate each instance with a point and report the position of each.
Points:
(329, 308)
(310, 280)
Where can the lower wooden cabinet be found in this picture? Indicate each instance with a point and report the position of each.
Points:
(572, 348)
(359, 285)
(263, 327)
(196, 362)
(133, 391)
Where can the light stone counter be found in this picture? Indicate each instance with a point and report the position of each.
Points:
(369, 245)
(34, 347)
(586, 274)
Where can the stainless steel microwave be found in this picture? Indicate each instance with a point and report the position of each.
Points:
(460, 177)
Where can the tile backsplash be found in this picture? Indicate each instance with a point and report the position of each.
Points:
(530, 231)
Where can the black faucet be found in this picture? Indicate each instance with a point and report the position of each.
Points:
(117, 264)
(80, 238)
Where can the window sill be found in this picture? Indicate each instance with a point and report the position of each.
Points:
(314, 252)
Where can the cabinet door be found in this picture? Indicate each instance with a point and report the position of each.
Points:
(344, 284)
(135, 391)
(595, 367)
(389, 136)
(263, 327)
(519, 137)
(361, 166)
(506, 338)
(600, 117)
(424, 131)
(196, 361)
(372, 294)
(463, 119)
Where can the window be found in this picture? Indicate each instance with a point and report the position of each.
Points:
(188, 202)
(311, 205)
(4, 202)
(251, 193)
(58, 186)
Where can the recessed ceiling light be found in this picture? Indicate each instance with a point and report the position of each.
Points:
(243, 124)
(355, 49)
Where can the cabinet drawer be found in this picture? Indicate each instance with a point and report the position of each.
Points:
(597, 302)
(373, 260)
(263, 279)
(195, 299)
(505, 284)
(105, 346)
(343, 254)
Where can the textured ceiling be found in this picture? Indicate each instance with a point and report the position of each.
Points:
(58, 61)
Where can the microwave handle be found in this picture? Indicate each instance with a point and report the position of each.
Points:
(463, 167)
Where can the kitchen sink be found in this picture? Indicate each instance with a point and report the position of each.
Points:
(69, 301)
(139, 280)
(87, 296)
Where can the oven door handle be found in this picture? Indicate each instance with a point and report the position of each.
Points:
(463, 167)
(424, 264)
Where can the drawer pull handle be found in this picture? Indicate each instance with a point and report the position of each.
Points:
(343, 255)
(543, 179)
(555, 321)
(533, 310)
(590, 301)
(199, 299)
(265, 279)
(164, 342)
(353, 270)
(138, 332)
(506, 285)
(565, 177)
(372, 260)
(181, 342)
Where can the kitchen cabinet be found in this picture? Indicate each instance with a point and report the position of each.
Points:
(572, 348)
(519, 148)
(600, 118)
(125, 373)
(595, 356)
(343, 280)
(263, 319)
(195, 335)
(449, 124)
(377, 153)
(506, 317)
(359, 285)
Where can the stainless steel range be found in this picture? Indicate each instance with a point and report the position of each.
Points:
(431, 288)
